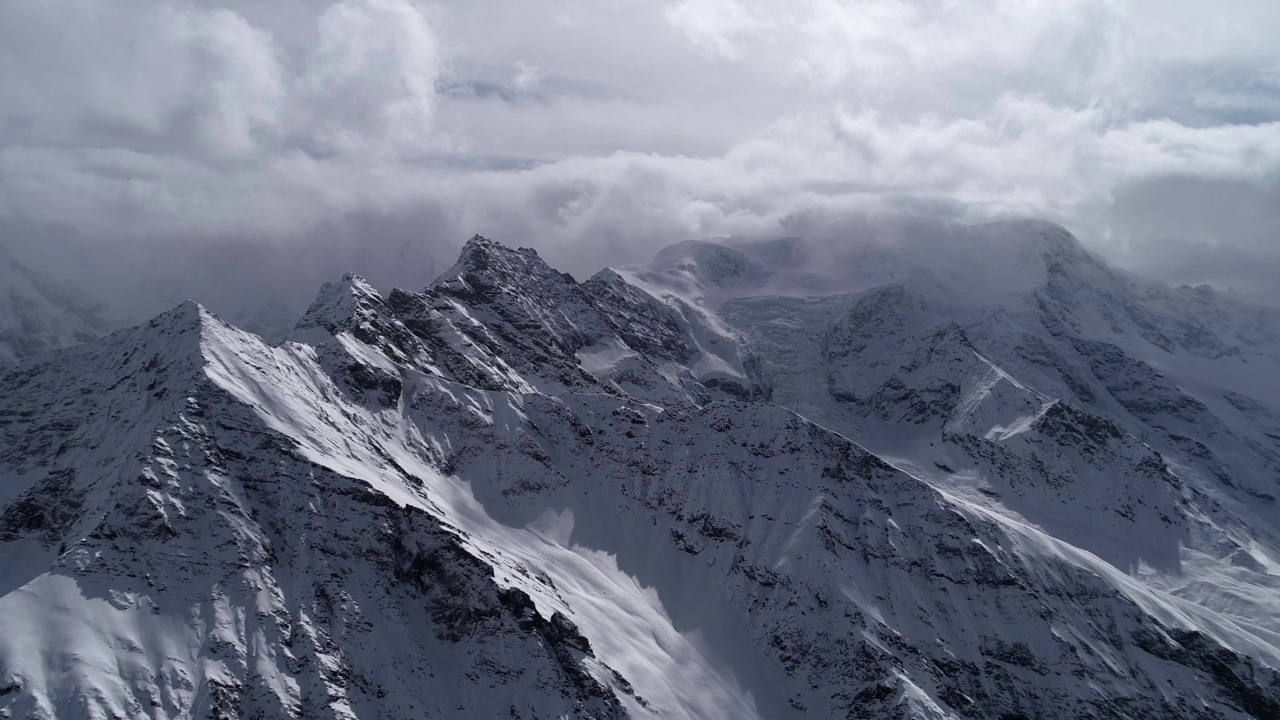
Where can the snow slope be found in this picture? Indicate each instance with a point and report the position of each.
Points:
(739, 482)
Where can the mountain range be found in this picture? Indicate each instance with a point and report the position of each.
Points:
(933, 471)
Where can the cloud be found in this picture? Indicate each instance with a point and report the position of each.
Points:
(182, 79)
(598, 133)
(527, 76)
(371, 76)
(715, 26)
(1222, 231)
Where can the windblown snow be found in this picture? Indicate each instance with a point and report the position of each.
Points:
(941, 471)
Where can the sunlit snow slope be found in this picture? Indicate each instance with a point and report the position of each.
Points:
(868, 478)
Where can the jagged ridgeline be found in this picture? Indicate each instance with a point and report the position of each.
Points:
(991, 477)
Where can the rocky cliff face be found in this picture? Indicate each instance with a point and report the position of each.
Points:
(664, 492)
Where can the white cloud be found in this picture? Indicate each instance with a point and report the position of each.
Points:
(599, 131)
(372, 75)
(715, 26)
(203, 80)
(237, 80)
(527, 76)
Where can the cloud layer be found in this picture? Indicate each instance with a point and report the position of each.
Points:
(598, 131)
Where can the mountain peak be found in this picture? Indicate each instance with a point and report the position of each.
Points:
(712, 261)
(1058, 244)
(340, 305)
(487, 267)
(607, 276)
(188, 315)
(479, 248)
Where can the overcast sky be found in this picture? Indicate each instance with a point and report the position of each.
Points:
(377, 132)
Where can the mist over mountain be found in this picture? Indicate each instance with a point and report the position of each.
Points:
(934, 471)
(39, 314)
(343, 130)
(262, 286)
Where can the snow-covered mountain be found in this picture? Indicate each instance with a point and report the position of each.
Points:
(37, 314)
(931, 471)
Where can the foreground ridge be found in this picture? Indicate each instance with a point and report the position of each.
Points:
(791, 479)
